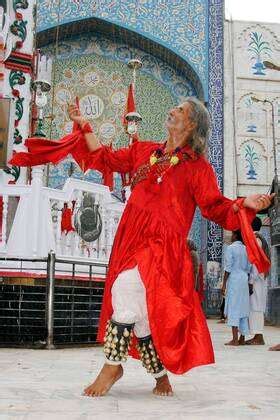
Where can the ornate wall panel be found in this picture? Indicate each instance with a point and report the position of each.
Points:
(215, 150)
(178, 25)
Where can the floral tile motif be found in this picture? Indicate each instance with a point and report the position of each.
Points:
(213, 232)
(259, 50)
(179, 25)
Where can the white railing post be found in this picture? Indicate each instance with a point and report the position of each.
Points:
(58, 228)
(36, 185)
(102, 243)
(4, 219)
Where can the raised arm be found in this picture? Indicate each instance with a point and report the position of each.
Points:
(99, 157)
(75, 115)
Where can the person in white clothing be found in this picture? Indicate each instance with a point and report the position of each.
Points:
(258, 293)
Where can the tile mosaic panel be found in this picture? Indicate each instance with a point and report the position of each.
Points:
(215, 151)
(179, 25)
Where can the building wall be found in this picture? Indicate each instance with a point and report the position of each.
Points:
(248, 125)
(90, 64)
(213, 232)
(179, 25)
(16, 76)
(249, 156)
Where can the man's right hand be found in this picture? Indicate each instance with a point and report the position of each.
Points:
(75, 115)
(90, 138)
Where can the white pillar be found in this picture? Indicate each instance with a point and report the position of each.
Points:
(36, 183)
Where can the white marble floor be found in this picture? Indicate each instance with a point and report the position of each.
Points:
(46, 385)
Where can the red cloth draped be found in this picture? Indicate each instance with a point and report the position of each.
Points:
(66, 220)
(256, 254)
(42, 151)
(130, 103)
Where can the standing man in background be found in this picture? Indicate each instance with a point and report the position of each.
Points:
(235, 287)
(259, 296)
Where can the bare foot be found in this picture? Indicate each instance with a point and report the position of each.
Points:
(255, 342)
(232, 343)
(163, 387)
(108, 375)
(275, 348)
(241, 340)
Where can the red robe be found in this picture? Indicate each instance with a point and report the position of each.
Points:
(152, 234)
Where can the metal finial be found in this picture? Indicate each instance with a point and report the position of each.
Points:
(133, 116)
(135, 64)
(41, 85)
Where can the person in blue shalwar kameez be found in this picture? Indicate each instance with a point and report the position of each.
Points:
(237, 269)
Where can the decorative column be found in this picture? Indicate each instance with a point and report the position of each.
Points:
(214, 232)
(37, 198)
(18, 74)
(4, 52)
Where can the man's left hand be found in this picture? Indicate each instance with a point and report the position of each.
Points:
(258, 202)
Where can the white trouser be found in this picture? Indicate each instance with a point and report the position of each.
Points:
(129, 302)
(256, 322)
(130, 306)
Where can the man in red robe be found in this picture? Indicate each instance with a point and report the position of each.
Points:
(149, 298)
(149, 290)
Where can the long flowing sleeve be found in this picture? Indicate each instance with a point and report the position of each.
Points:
(105, 158)
(214, 206)
(107, 161)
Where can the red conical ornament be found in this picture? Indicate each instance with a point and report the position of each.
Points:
(130, 103)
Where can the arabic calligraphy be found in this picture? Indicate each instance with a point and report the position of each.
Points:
(91, 106)
(91, 79)
(63, 96)
(118, 98)
(107, 130)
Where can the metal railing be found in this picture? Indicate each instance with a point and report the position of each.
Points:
(72, 262)
(51, 274)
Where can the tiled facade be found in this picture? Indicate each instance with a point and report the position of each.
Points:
(249, 155)
(181, 25)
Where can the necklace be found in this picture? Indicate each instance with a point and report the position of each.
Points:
(157, 156)
(160, 163)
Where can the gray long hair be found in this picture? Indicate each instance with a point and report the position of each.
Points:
(200, 115)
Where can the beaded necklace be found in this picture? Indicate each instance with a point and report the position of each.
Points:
(159, 163)
(174, 158)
